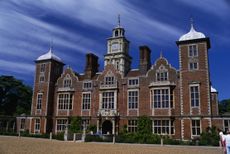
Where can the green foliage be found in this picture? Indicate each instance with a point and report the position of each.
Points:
(59, 136)
(15, 97)
(144, 125)
(93, 138)
(209, 137)
(92, 128)
(224, 106)
(138, 138)
(75, 125)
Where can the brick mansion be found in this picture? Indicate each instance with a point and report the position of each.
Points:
(180, 102)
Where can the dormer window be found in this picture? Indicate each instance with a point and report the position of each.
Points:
(109, 80)
(162, 74)
(87, 85)
(133, 82)
(67, 81)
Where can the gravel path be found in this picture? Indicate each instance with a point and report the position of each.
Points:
(10, 145)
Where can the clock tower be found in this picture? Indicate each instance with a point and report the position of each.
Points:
(118, 50)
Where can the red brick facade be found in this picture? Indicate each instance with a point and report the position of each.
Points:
(157, 90)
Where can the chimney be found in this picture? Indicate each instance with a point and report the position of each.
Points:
(92, 65)
(145, 61)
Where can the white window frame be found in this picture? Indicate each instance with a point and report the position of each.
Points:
(109, 80)
(132, 125)
(108, 102)
(87, 85)
(164, 78)
(67, 82)
(39, 101)
(42, 67)
(128, 99)
(22, 123)
(41, 76)
(196, 46)
(65, 103)
(86, 103)
(161, 98)
(195, 127)
(190, 86)
(193, 68)
(132, 82)
(228, 127)
(163, 128)
(37, 126)
(61, 125)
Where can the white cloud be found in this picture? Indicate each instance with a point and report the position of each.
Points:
(215, 7)
(18, 67)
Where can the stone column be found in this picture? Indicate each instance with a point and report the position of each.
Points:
(114, 126)
(98, 125)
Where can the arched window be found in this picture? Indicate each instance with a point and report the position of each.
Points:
(116, 33)
(67, 81)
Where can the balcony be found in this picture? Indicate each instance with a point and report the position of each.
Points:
(111, 85)
(107, 112)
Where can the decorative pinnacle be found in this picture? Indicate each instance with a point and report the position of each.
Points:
(191, 22)
(51, 45)
(161, 54)
(119, 20)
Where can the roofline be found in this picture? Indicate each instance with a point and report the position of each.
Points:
(195, 41)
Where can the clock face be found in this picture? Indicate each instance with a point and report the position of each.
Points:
(115, 47)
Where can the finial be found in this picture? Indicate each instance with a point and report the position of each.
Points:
(191, 22)
(119, 20)
(161, 54)
(51, 45)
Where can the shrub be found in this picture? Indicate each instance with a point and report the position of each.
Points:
(75, 125)
(209, 137)
(93, 138)
(144, 125)
(59, 136)
(92, 128)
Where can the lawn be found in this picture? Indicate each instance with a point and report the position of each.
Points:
(33, 145)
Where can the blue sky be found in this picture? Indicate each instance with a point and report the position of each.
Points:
(81, 26)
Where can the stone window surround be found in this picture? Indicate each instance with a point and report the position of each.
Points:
(65, 103)
(101, 99)
(190, 99)
(152, 97)
(162, 69)
(128, 106)
(133, 82)
(191, 56)
(170, 126)
(39, 101)
(37, 125)
(67, 82)
(196, 127)
(61, 125)
(86, 105)
(132, 125)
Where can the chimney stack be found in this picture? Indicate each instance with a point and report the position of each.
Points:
(92, 65)
(145, 61)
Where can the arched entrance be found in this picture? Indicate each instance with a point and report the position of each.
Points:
(107, 127)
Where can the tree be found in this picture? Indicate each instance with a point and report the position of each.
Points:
(15, 97)
(144, 125)
(75, 125)
(224, 106)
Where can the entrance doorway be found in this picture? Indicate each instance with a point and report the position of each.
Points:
(107, 127)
